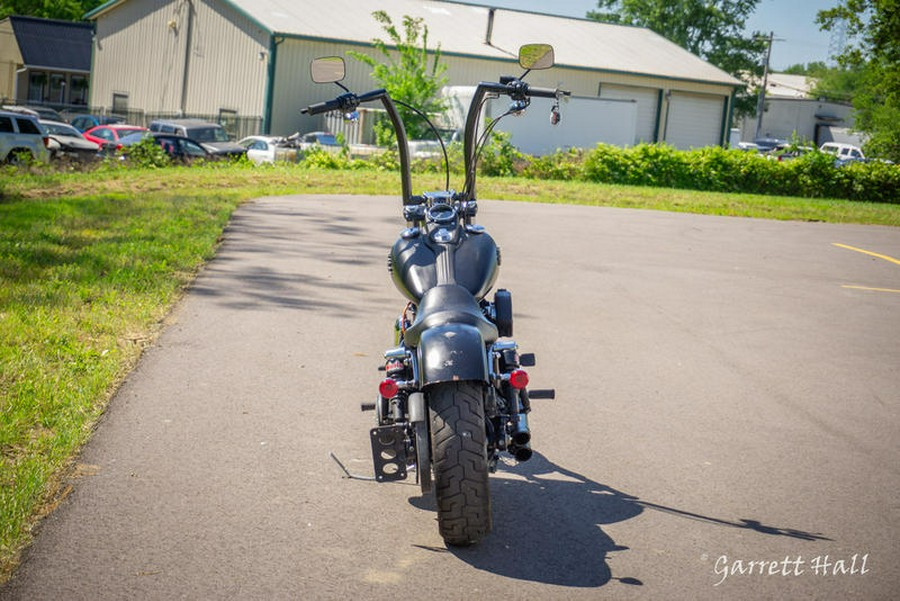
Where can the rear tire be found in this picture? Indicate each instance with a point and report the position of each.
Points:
(459, 457)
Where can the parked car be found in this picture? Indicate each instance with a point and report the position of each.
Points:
(425, 149)
(22, 138)
(786, 152)
(179, 148)
(324, 139)
(211, 136)
(41, 112)
(268, 149)
(85, 122)
(108, 136)
(845, 153)
(764, 145)
(68, 142)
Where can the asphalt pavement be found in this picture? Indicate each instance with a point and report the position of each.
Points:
(727, 420)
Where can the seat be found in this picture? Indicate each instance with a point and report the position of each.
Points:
(449, 304)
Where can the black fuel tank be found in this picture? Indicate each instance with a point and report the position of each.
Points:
(473, 263)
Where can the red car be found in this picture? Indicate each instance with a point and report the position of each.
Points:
(108, 136)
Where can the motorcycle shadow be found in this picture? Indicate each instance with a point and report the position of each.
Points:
(548, 525)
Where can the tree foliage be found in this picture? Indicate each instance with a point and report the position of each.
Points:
(66, 10)
(409, 72)
(838, 84)
(714, 30)
(874, 52)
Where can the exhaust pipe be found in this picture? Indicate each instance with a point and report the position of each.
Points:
(520, 433)
(520, 439)
(521, 452)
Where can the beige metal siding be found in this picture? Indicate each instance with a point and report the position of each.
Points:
(141, 50)
(137, 52)
(229, 62)
(10, 60)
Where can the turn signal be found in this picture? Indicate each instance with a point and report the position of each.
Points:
(388, 388)
(518, 379)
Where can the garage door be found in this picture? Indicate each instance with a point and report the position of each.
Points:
(694, 120)
(647, 100)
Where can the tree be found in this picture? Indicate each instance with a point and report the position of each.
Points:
(813, 69)
(874, 30)
(66, 10)
(838, 84)
(408, 77)
(711, 29)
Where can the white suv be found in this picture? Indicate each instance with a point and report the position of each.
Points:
(22, 138)
(842, 151)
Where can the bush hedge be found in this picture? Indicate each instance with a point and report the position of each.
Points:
(812, 175)
(712, 169)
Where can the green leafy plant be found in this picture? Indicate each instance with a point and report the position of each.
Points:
(410, 74)
(499, 157)
(147, 154)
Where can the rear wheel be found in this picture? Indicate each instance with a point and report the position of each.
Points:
(459, 456)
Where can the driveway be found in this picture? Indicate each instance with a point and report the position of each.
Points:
(727, 421)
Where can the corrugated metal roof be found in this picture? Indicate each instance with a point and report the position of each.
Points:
(54, 44)
(460, 29)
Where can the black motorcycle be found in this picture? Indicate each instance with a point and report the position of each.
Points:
(454, 393)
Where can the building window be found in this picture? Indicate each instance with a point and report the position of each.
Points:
(57, 91)
(229, 120)
(78, 87)
(120, 104)
(37, 83)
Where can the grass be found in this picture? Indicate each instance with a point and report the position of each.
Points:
(91, 263)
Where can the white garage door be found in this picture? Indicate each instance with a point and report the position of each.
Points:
(647, 100)
(694, 120)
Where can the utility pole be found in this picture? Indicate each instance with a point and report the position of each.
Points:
(761, 103)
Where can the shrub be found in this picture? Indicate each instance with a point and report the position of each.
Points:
(499, 156)
(148, 154)
(713, 168)
(562, 164)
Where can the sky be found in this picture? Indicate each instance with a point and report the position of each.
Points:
(798, 39)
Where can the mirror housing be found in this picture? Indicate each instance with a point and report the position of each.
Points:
(535, 57)
(327, 69)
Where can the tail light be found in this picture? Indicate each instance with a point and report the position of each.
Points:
(46, 140)
(388, 388)
(518, 379)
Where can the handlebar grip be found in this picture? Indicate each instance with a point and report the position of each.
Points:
(543, 92)
(321, 107)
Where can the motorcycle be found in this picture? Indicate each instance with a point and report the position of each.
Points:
(454, 394)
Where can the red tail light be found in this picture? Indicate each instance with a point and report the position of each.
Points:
(518, 379)
(388, 388)
(46, 141)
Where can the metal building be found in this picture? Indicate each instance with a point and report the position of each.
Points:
(249, 58)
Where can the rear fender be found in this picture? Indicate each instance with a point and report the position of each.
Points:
(452, 352)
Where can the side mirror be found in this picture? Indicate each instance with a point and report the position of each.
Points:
(328, 69)
(535, 57)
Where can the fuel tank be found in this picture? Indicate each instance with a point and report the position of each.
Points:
(467, 256)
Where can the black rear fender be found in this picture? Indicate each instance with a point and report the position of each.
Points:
(452, 352)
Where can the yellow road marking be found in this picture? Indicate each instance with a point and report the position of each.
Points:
(872, 289)
(867, 252)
